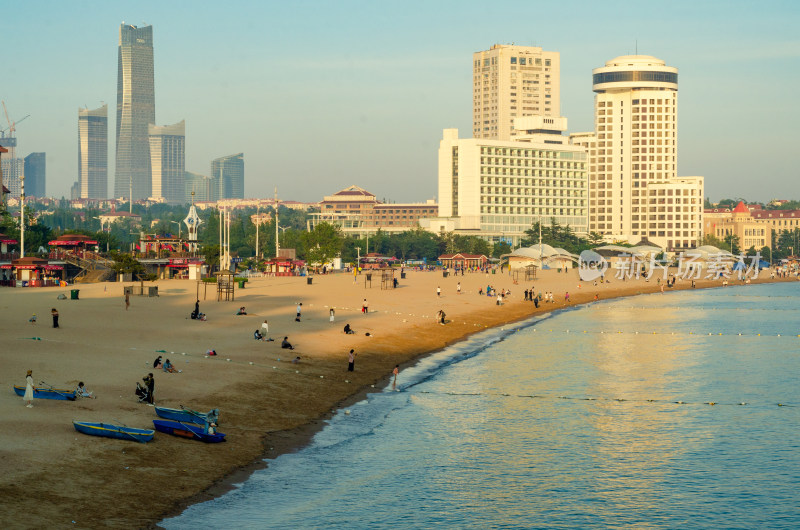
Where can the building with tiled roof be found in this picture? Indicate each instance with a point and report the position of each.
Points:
(741, 222)
(358, 212)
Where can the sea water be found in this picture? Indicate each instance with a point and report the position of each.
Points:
(659, 411)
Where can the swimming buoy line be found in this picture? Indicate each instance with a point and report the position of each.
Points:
(619, 400)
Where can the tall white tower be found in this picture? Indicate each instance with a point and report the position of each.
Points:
(636, 123)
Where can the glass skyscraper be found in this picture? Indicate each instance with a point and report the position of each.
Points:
(168, 162)
(136, 109)
(93, 153)
(228, 172)
(35, 174)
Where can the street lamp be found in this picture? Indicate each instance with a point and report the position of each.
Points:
(179, 227)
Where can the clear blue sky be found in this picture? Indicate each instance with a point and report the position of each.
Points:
(322, 95)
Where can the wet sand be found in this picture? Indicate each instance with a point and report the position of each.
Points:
(54, 476)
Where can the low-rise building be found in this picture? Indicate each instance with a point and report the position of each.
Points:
(358, 212)
(751, 231)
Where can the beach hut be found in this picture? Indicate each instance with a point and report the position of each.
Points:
(463, 261)
(71, 245)
(30, 271)
(5, 243)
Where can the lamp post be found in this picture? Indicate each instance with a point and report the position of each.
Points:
(258, 222)
(102, 224)
(179, 227)
(21, 216)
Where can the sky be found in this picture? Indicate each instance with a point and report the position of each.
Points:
(323, 95)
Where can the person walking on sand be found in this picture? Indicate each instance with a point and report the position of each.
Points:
(438, 291)
(127, 300)
(299, 311)
(458, 288)
(566, 297)
(265, 327)
(394, 373)
(351, 361)
(54, 313)
(365, 306)
(28, 397)
(332, 314)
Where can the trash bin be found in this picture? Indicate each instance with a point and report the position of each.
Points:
(369, 277)
(74, 294)
(402, 275)
(309, 279)
(445, 274)
(152, 291)
(241, 284)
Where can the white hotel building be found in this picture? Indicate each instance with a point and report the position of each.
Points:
(497, 189)
(634, 191)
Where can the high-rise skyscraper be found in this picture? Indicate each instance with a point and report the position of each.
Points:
(168, 161)
(202, 186)
(634, 191)
(228, 171)
(35, 175)
(509, 82)
(93, 153)
(136, 109)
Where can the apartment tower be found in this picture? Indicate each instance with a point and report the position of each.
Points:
(168, 162)
(136, 109)
(509, 82)
(93, 153)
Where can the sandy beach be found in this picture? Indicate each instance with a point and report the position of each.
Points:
(54, 476)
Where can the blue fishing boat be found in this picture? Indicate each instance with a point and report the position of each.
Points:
(47, 393)
(185, 415)
(114, 431)
(187, 430)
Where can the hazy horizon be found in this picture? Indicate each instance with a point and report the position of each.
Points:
(320, 95)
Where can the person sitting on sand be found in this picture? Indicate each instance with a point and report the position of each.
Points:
(157, 363)
(169, 368)
(211, 353)
(257, 335)
(348, 330)
(81, 391)
(285, 344)
(32, 320)
(296, 360)
(241, 311)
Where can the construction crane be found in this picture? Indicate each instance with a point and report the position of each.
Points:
(12, 125)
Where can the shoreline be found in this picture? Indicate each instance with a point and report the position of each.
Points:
(298, 438)
(268, 406)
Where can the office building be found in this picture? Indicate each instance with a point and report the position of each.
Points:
(634, 192)
(13, 169)
(228, 172)
(136, 109)
(93, 152)
(203, 186)
(35, 175)
(168, 162)
(497, 189)
(509, 82)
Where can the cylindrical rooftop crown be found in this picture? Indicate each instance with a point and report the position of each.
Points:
(634, 71)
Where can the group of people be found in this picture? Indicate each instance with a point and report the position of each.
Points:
(167, 366)
(196, 314)
(27, 397)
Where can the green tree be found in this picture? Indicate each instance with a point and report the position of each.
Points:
(731, 243)
(322, 244)
(709, 239)
(500, 248)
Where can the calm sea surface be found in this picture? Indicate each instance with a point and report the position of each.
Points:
(564, 422)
